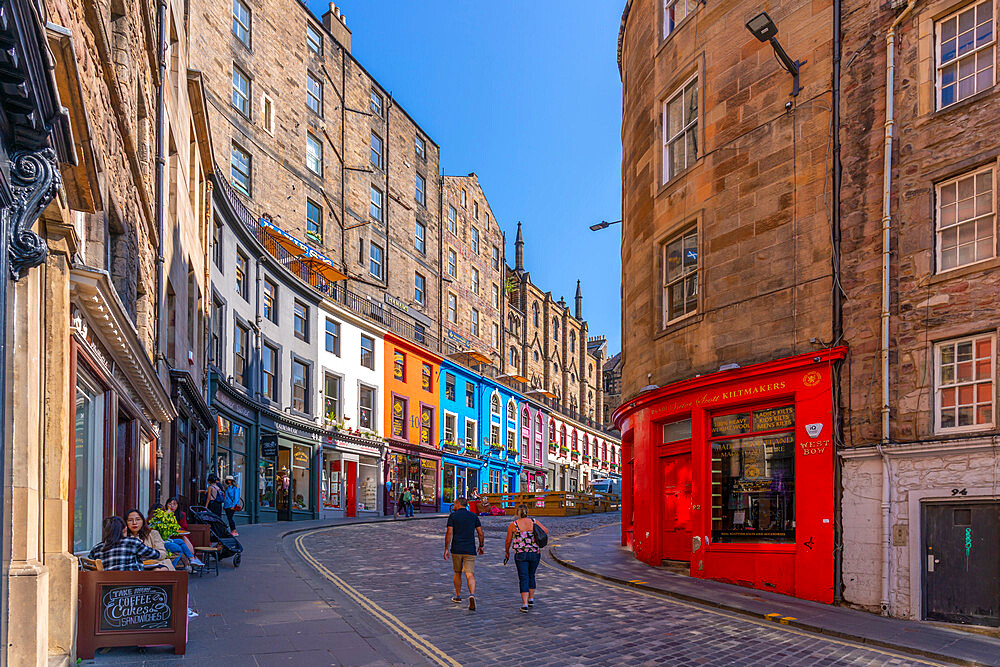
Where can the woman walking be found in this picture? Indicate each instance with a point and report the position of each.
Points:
(232, 502)
(520, 535)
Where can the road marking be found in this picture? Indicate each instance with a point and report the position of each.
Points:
(438, 656)
(631, 581)
(732, 615)
(785, 619)
(773, 616)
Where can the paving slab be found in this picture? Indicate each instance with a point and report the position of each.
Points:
(599, 553)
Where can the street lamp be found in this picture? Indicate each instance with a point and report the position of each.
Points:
(763, 28)
(603, 224)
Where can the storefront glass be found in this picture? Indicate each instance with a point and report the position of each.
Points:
(230, 452)
(330, 481)
(89, 484)
(753, 476)
(472, 480)
(428, 481)
(265, 482)
(448, 483)
(367, 484)
(301, 457)
(420, 475)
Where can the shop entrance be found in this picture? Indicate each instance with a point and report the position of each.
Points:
(283, 501)
(675, 476)
(962, 562)
(351, 489)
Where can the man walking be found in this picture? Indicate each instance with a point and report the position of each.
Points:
(460, 539)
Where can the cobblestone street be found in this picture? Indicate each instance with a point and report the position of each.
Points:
(398, 569)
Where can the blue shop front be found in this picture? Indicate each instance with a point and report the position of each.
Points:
(462, 465)
(499, 415)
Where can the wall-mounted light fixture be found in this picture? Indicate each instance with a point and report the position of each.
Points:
(603, 224)
(763, 28)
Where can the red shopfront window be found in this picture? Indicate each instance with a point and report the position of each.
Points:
(753, 475)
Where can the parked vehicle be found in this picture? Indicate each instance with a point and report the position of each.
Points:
(607, 485)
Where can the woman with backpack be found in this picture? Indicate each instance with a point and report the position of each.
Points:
(527, 536)
(215, 495)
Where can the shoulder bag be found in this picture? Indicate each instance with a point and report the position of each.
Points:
(540, 536)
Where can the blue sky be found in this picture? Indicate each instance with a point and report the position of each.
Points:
(527, 95)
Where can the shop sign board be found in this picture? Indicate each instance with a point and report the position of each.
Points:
(269, 446)
(767, 419)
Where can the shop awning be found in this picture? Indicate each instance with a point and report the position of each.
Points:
(322, 265)
(513, 377)
(289, 243)
(303, 252)
(470, 355)
(541, 392)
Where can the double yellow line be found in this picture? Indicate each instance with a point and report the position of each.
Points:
(436, 655)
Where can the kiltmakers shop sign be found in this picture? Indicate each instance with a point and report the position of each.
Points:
(132, 608)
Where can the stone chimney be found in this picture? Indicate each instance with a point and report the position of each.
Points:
(336, 23)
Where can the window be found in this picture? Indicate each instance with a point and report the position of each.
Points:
(368, 352)
(241, 275)
(475, 322)
(675, 11)
(470, 395)
(680, 130)
(495, 405)
(753, 475)
(333, 337)
(511, 411)
(496, 336)
(452, 309)
(420, 237)
(361, 252)
(267, 113)
(475, 210)
(375, 102)
(496, 258)
(420, 193)
(495, 435)
(513, 356)
(366, 406)
(452, 263)
(965, 51)
(450, 425)
(314, 93)
(217, 242)
(555, 328)
(241, 353)
(375, 265)
(300, 386)
(465, 198)
(375, 210)
(300, 320)
(331, 397)
(314, 220)
(240, 169)
(218, 321)
(270, 301)
(426, 377)
(475, 240)
(475, 280)
(534, 314)
(314, 154)
(966, 220)
(399, 366)
(241, 91)
(496, 296)
(572, 341)
(427, 427)
(268, 372)
(452, 219)
(89, 461)
(420, 146)
(964, 391)
(449, 386)
(680, 276)
(241, 21)
(314, 40)
(375, 151)
(419, 295)
(398, 417)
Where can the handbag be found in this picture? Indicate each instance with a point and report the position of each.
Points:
(540, 536)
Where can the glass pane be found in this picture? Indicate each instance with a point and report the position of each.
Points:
(948, 95)
(676, 308)
(675, 117)
(966, 415)
(964, 351)
(984, 414)
(984, 348)
(964, 373)
(947, 193)
(949, 259)
(948, 418)
(947, 375)
(948, 29)
(265, 482)
(448, 483)
(983, 369)
(692, 144)
(88, 499)
(966, 207)
(301, 464)
(674, 260)
(691, 97)
(966, 87)
(677, 161)
(690, 252)
(966, 394)
(947, 398)
(966, 233)
(985, 77)
(984, 392)
(949, 214)
(984, 249)
(949, 237)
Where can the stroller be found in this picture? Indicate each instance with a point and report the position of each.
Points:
(230, 545)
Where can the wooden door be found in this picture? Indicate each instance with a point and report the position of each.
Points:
(675, 476)
(962, 562)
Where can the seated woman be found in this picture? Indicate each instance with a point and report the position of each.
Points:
(135, 523)
(118, 551)
(163, 522)
(174, 507)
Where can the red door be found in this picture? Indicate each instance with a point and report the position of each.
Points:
(351, 495)
(676, 518)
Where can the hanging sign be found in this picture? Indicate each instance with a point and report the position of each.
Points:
(269, 446)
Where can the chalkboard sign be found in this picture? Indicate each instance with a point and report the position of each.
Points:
(269, 446)
(134, 608)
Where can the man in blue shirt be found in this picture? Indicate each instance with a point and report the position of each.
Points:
(460, 540)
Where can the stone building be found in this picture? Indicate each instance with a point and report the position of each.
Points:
(548, 345)
(920, 458)
(473, 264)
(612, 385)
(311, 140)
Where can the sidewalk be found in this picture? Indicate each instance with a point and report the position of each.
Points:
(274, 609)
(599, 553)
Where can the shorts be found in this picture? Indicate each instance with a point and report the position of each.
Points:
(463, 563)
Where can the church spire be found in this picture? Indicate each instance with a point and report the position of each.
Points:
(519, 249)
(579, 302)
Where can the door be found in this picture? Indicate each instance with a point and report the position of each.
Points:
(351, 490)
(962, 562)
(282, 502)
(675, 481)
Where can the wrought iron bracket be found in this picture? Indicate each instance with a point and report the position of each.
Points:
(35, 180)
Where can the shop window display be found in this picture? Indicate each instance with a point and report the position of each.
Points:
(330, 480)
(300, 477)
(265, 482)
(367, 484)
(753, 475)
(89, 477)
(428, 481)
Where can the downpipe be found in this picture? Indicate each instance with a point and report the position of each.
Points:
(161, 119)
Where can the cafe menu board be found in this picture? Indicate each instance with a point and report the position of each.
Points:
(135, 608)
(768, 419)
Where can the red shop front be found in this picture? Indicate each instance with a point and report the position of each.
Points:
(734, 473)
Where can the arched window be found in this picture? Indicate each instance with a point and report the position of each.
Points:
(536, 355)
(511, 411)
(495, 405)
(513, 356)
(576, 441)
(552, 431)
(562, 437)
(555, 328)
(572, 341)
(586, 444)
(538, 425)
(534, 314)
(555, 366)
(604, 452)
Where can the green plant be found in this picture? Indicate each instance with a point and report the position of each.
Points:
(165, 523)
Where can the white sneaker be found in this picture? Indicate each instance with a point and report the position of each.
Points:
(192, 613)
(196, 561)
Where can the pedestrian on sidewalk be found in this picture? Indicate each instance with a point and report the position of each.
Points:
(460, 539)
(521, 535)
(232, 502)
(408, 502)
(215, 495)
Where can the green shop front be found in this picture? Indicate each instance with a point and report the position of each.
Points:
(272, 457)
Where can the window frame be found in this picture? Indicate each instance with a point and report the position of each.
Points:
(474, 280)
(313, 141)
(245, 96)
(420, 237)
(939, 66)
(333, 336)
(318, 223)
(474, 240)
(338, 411)
(270, 295)
(376, 266)
(304, 336)
(452, 308)
(957, 224)
(247, 27)
(314, 45)
(419, 288)
(420, 147)
(690, 126)
(267, 113)
(314, 100)
(665, 285)
(376, 206)
(376, 103)
(241, 353)
(420, 189)
(939, 386)
(269, 380)
(306, 371)
(452, 263)
(375, 155)
(452, 219)
(233, 169)
(475, 322)
(241, 276)
(372, 409)
(370, 352)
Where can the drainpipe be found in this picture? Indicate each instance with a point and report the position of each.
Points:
(161, 119)
(838, 311)
(890, 70)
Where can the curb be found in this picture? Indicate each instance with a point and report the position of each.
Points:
(791, 622)
(296, 531)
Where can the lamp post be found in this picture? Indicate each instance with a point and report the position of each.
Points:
(764, 29)
(603, 224)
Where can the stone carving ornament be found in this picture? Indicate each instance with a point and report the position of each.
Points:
(35, 180)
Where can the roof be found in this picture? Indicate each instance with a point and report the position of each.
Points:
(613, 363)
(621, 32)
